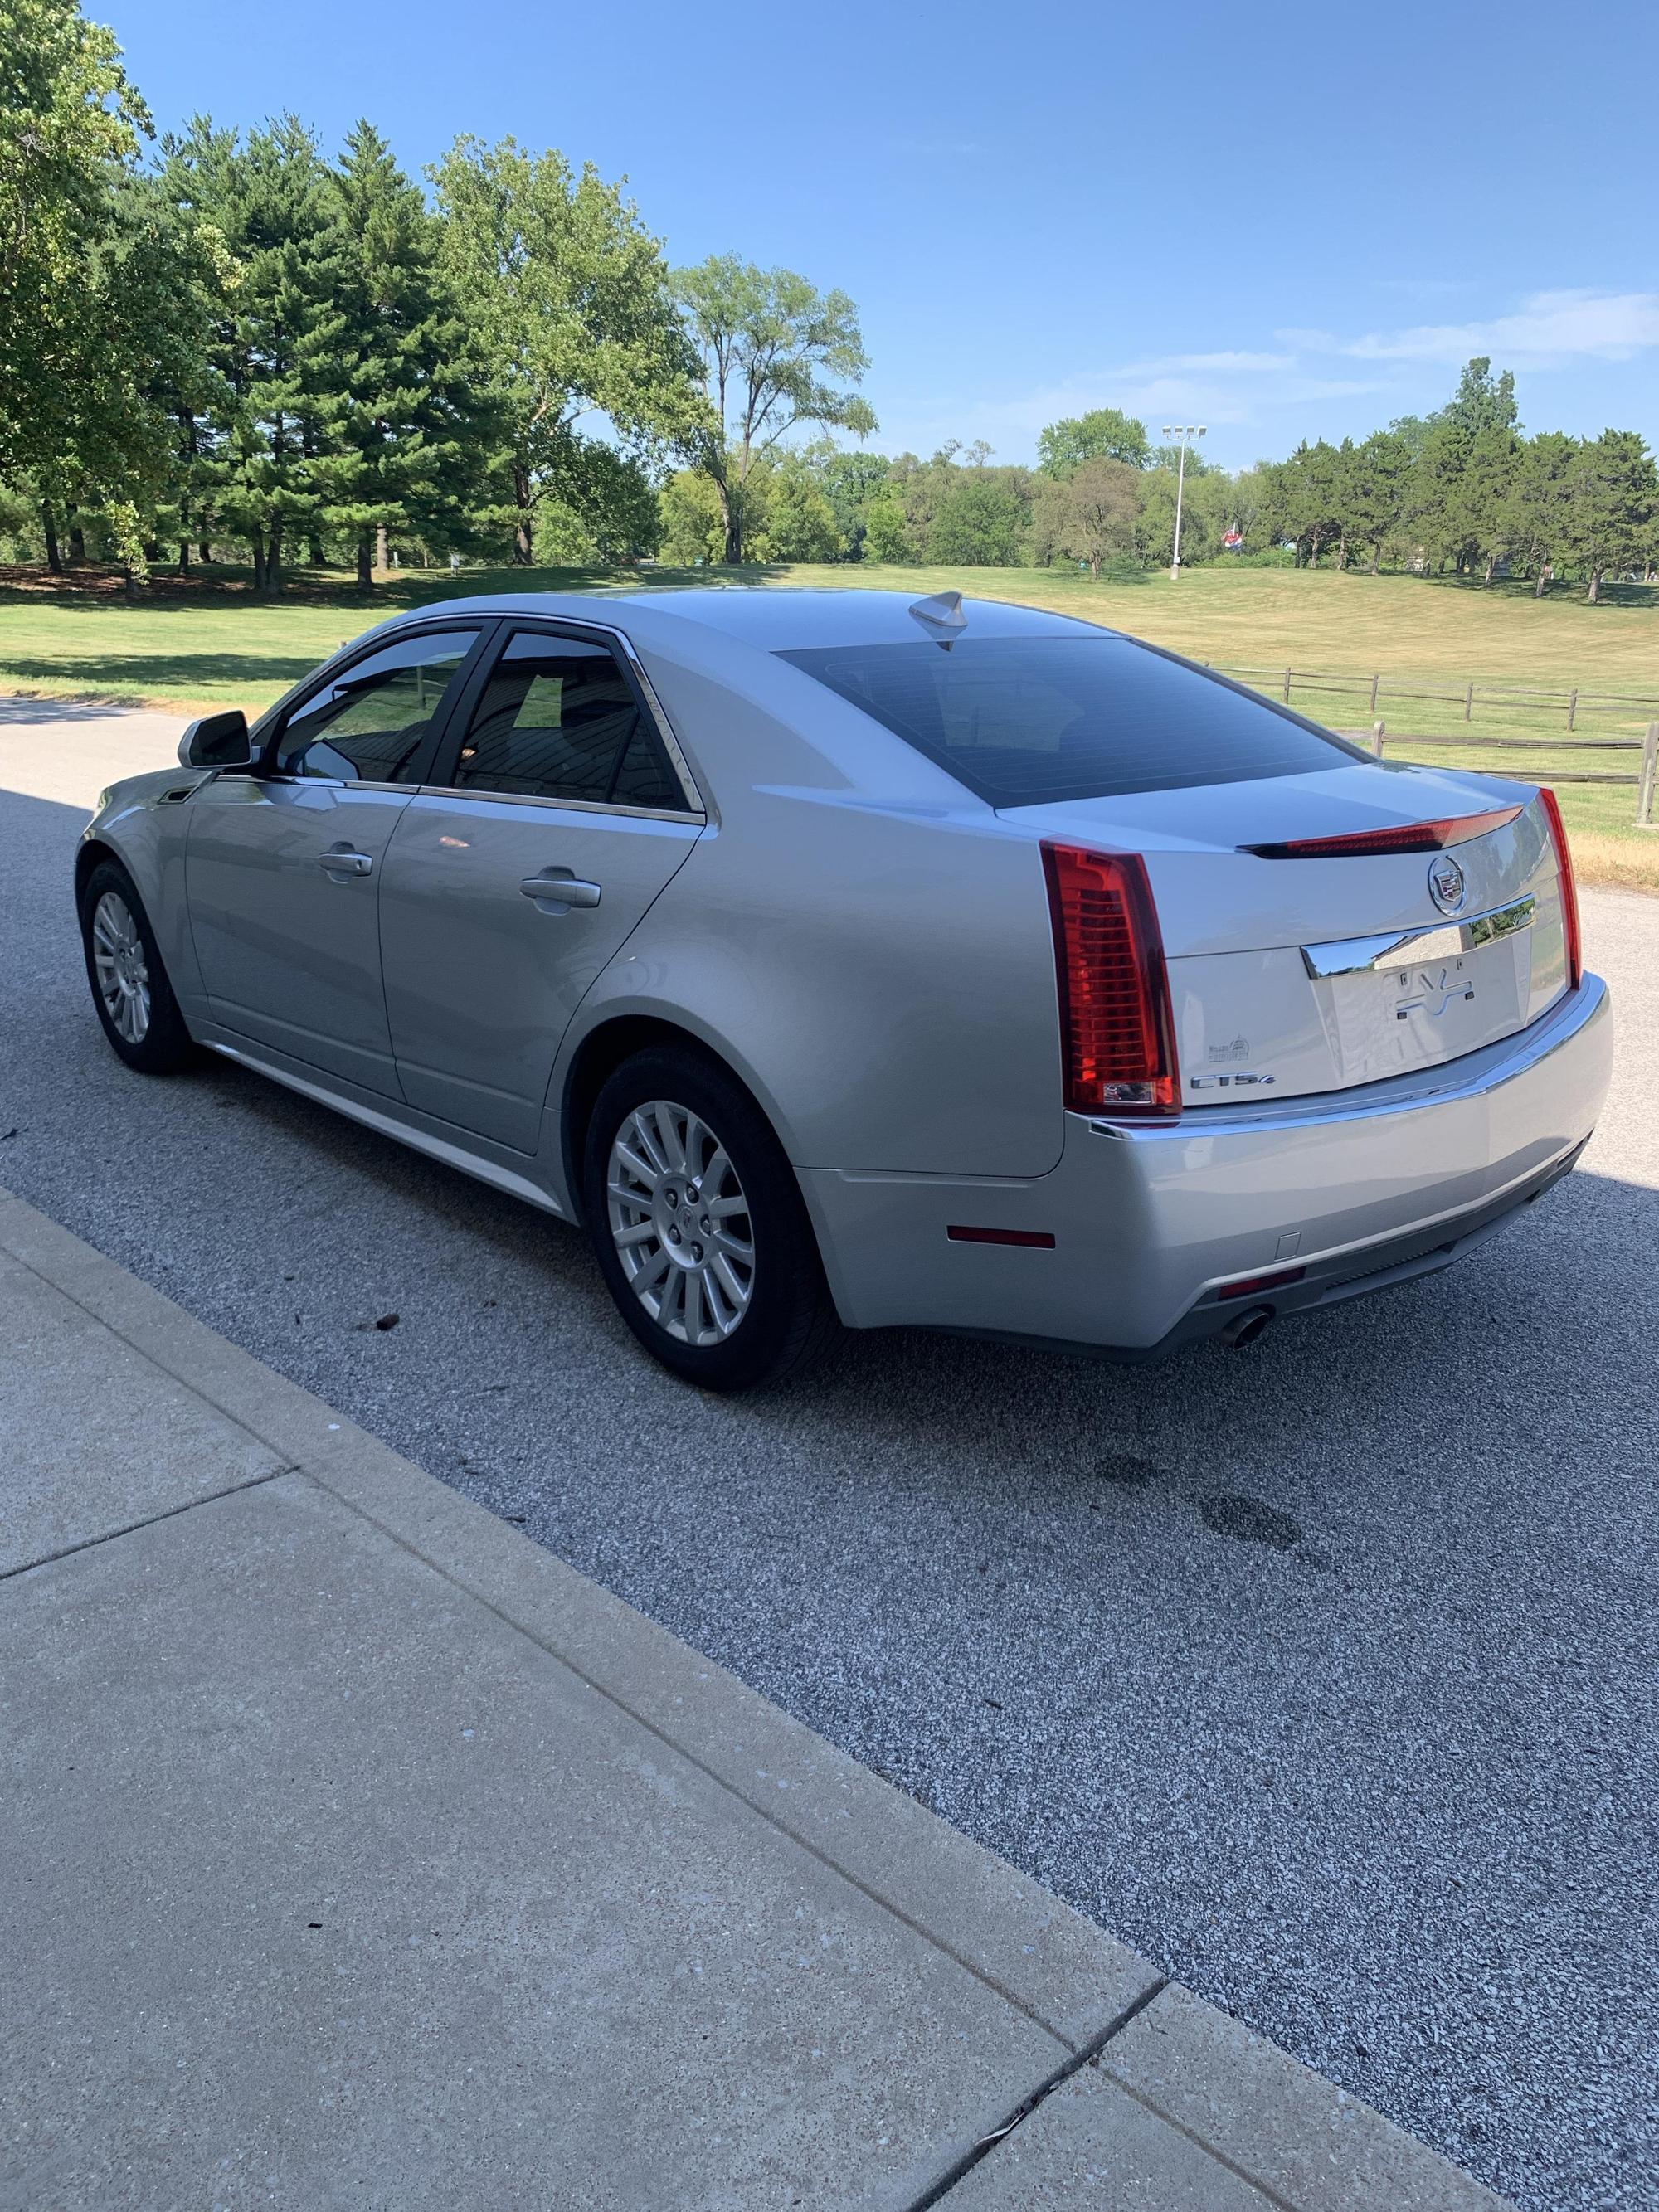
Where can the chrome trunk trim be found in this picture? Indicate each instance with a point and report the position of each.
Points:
(1355, 956)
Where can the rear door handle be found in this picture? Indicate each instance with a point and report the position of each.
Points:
(341, 857)
(556, 888)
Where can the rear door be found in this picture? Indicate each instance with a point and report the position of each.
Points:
(283, 867)
(554, 819)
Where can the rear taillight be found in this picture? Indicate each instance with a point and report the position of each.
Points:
(1117, 1040)
(1568, 887)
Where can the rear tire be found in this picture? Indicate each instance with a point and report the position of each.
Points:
(699, 1225)
(130, 987)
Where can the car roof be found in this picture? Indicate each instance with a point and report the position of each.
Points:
(775, 618)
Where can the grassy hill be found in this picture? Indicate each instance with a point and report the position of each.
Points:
(212, 642)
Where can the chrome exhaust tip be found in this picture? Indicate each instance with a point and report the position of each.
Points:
(1244, 1328)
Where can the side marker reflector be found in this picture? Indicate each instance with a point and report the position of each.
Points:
(1040, 1240)
(1254, 1285)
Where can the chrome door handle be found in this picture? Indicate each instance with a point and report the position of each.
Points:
(558, 888)
(348, 862)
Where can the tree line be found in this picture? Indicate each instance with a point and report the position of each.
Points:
(1460, 491)
(227, 344)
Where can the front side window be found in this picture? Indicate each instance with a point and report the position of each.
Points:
(1023, 721)
(559, 720)
(369, 725)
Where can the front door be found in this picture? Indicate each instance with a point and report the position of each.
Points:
(506, 893)
(283, 867)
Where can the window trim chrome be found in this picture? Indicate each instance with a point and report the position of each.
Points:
(486, 797)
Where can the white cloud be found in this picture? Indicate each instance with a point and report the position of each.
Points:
(1216, 364)
(1266, 393)
(1549, 328)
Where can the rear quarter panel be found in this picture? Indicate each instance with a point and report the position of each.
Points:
(868, 945)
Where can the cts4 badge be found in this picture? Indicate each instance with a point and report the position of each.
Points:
(1446, 885)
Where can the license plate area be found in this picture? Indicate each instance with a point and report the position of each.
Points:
(1437, 998)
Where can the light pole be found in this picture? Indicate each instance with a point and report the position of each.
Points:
(1183, 431)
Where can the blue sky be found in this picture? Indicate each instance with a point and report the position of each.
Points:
(1283, 220)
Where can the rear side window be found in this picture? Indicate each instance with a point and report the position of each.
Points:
(1023, 721)
(559, 720)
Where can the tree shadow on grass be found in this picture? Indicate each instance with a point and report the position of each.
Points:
(96, 591)
(1562, 591)
(188, 673)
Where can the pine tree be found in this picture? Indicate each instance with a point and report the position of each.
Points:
(250, 447)
(398, 430)
(1536, 522)
(1612, 494)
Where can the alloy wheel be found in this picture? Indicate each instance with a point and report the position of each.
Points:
(123, 974)
(680, 1223)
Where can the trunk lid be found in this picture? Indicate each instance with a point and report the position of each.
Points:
(1294, 976)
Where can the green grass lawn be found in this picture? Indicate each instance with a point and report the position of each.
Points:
(213, 643)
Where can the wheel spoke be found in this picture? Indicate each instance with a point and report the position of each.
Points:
(673, 1147)
(641, 1168)
(641, 1233)
(696, 1137)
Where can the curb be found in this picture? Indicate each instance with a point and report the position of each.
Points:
(1293, 2138)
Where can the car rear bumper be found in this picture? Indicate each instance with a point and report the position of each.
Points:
(1150, 1222)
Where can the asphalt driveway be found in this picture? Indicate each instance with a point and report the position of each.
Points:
(1323, 1673)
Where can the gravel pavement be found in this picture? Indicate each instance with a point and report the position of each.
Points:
(1321, 1673)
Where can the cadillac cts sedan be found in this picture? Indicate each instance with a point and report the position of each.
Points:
(833, 959)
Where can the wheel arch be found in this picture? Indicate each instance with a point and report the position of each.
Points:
(89, 853)
(599, 1056)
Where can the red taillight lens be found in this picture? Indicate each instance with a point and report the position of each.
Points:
(1407, 837)
(1568, 887)
(1117, 1040)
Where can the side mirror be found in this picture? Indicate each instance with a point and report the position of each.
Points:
(218, 741)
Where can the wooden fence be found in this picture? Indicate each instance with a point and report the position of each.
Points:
(1503, 698)
(1644, 778)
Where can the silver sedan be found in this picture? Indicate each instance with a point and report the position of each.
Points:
(837, 958)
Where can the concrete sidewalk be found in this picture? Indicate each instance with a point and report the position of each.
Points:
(358, 1852)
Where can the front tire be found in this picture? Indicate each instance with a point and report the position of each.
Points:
(130, 986)
(699, 1225)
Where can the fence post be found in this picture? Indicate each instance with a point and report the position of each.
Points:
(1378, 729)
(1375, 680)
(1468, 703)
(1649, 769)
(1572, 708)
(1287, 687)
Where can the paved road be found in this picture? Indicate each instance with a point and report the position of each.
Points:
(1323, 1672)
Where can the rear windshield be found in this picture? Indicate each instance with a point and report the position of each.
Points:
(1023, 720)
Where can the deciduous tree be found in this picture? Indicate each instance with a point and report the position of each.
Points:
(1090, 515)
(570, 322)
(775, 352)
(1104, 433)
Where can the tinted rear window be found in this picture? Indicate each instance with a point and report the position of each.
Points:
(1021, 720)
